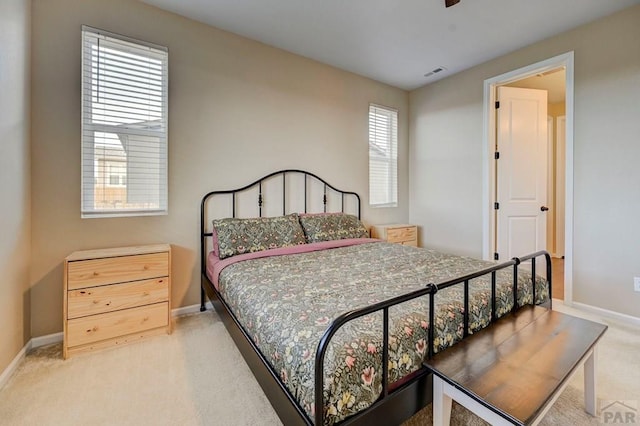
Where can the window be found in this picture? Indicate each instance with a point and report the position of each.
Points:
(383, 156)
(124, 126)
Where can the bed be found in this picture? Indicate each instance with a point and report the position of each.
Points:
(333, 324)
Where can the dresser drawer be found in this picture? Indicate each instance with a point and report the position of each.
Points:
(95, 272)
(98, 300)
(113, 324)
(399, 235)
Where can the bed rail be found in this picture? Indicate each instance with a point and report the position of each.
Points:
(430, 290)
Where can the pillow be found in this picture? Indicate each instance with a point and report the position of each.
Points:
(214, 239)
(332, 226)
(237, 236)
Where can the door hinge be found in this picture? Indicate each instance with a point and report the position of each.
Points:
(496, 256)
(496, 155)
(496, 206)
(497, 104)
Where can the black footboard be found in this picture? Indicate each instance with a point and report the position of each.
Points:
(430, 290)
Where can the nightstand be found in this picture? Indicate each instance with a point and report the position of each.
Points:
(116, 296)
(396, 233)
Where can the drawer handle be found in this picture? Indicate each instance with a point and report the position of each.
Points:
(92, 329)
(160, 281)
(146, 267)
(95, 274)
(146, 293)
(145, 319)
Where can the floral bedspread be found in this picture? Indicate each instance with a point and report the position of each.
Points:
(287, 302)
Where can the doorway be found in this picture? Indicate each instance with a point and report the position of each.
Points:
(552, 82)
(560, 170)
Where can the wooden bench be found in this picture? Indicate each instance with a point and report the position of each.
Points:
(512, 371)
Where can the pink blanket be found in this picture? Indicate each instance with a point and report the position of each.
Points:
(215, 265)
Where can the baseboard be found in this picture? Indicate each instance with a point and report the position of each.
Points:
(33, 343)
(13, 365)
(48, 339)
(624, 318)
(191, 309)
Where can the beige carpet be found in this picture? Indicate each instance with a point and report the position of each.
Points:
(196, 376)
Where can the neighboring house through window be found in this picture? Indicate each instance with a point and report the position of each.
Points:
(124, 125)
(383, 156)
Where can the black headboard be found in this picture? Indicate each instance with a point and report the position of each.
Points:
(328, 202)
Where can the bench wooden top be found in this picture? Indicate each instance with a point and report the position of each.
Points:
(515, 366)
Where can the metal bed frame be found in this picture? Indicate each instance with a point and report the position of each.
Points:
(395, 404)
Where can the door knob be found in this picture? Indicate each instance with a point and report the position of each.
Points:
(544, 208)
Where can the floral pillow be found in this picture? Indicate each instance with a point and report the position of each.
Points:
(333, 226)
(238, 236)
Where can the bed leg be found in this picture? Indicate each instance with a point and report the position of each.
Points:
(202, 297)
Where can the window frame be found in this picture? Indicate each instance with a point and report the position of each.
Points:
(89, 129)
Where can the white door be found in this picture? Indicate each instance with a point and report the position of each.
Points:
(521, 172)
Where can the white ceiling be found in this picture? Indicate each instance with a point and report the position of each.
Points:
(396, 41)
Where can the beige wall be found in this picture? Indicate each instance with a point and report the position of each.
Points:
(556, 109)
(237, 110)
(446, 157)
(14, 179)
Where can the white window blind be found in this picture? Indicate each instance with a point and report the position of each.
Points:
(383, 156)
(124, 125)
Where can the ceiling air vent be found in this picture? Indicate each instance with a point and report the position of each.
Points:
(435, 71)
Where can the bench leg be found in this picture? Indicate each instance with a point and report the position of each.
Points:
(441, 403)
(444, 394)
(590, 399)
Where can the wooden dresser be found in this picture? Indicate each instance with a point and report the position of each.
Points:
(396, 233)
(116, 296)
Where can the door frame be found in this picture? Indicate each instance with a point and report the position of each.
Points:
(488, 170)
